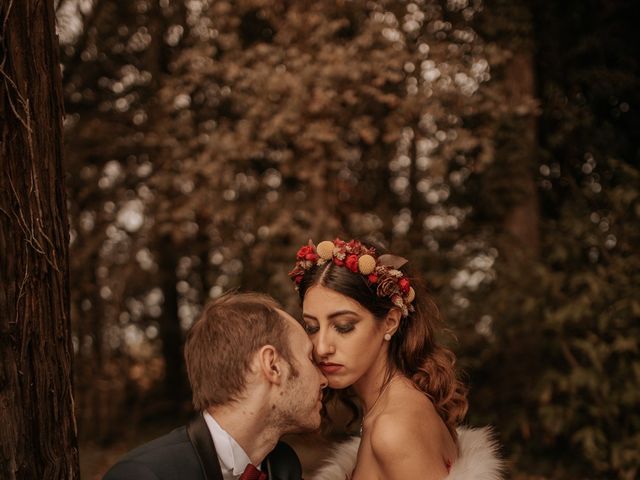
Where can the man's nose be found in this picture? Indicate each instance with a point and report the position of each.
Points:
(323, 380)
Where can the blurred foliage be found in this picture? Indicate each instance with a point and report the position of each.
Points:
(492, 143)
(564, 353)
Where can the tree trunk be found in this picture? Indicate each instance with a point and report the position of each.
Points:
(512, 28)
(169, 327)
(522, 221)
(37, 426)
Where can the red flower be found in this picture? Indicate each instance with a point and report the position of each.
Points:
(352, 263)
(297, 270)
(298, 279)
(338, 262)
(311, 257)
(304, 251)
(354, 246)
(373, 278)
(404, 285)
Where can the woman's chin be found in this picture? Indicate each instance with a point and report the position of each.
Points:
(339, 383)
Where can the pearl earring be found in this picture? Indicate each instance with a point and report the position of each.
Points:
(387, 336)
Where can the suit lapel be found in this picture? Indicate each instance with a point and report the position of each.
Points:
(202, 442)
(265, 466)
(282, 463)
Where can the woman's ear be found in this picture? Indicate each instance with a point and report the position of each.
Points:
(392, 321)
(270, 364)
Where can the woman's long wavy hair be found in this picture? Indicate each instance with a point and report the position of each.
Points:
(413, 349)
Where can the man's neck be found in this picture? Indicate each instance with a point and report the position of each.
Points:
(250, 426)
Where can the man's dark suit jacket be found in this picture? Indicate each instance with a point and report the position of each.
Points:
(188, 453)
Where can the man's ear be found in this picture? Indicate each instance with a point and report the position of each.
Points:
(270, 364)
(392, 321)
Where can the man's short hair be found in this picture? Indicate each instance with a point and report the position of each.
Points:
(221, 343)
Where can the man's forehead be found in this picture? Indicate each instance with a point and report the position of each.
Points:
(297, 332)
(284, 314)
(292, 323)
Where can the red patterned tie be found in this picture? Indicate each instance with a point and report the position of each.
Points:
(252, 473)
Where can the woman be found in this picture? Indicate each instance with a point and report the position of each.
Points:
(373, 332)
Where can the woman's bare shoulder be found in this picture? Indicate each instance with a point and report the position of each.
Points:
(407, 426)
(402, 448)
(410, 409)
(396, 428)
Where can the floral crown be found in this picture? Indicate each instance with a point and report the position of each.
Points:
(382, 271)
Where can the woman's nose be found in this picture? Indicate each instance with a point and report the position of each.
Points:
(323, 344)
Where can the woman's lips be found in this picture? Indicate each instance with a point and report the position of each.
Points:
(329, 368)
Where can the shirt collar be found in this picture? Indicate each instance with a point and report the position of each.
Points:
(233, 458)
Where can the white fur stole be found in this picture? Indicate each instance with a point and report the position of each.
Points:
(478, 458)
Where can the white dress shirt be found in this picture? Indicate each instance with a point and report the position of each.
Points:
(233, 459)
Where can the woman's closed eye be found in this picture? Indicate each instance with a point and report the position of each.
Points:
(343, 327)
(310, 329)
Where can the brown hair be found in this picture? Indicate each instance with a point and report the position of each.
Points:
(413, 349)
(220, 345)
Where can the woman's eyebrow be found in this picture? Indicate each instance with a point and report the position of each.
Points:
(342, 312)
(331, 315)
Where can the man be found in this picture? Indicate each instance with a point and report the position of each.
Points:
(253, 380)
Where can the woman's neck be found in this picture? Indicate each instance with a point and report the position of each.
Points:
(370, 385)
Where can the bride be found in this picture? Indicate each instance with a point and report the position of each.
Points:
(373, 331)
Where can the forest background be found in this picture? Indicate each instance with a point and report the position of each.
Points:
(493, 143)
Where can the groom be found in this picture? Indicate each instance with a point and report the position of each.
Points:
(253, 380)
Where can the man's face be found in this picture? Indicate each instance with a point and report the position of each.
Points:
(302, 398)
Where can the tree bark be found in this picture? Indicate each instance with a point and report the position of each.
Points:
(523, 220)
(512, 28)
(170, 330)
(37, 427)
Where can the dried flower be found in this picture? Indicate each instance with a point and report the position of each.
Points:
(366, 264)
(383, 271)
(325, 249)
(411, 296)
(387, 286)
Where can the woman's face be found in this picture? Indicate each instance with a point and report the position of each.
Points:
(347, 339)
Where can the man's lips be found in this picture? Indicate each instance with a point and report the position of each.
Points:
(329, 368)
